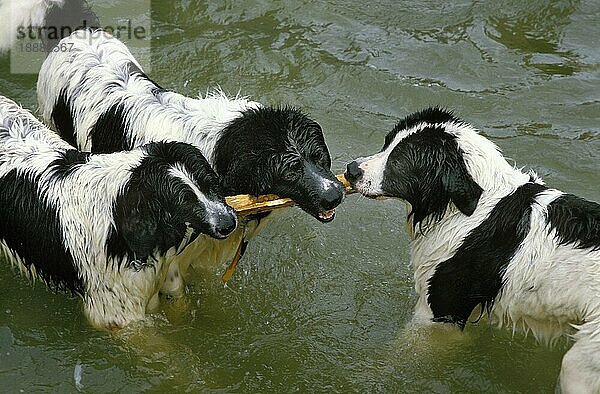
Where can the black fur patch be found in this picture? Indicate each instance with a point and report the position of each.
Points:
(69, 162)
(151, 213)
(63, 118)
(576, 221)
(473, 276)
(31, 228)
(427, 169)
(108, 134)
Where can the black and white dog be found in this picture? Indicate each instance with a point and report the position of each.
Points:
(98, 97)
(486, 234)
(104, 226)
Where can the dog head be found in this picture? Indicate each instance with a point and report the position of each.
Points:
(422, 163)
(279, 151)
(171, 198)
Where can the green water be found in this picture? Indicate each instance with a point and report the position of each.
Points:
(318, 307)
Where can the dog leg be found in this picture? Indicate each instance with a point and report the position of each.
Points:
(153, 304)
(105, 310)
(580, 372)
(173, 285)
(426, 340)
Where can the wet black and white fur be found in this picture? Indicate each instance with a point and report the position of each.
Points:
(104, 226)
(487, 234)
(100, 100)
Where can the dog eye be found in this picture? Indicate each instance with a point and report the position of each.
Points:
(291, 175)
(292, 172)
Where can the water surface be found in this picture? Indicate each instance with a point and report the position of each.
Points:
(318, 307)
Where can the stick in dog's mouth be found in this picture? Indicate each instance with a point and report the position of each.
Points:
(245, 204)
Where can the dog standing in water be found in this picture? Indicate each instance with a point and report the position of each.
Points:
(107, 226)
(485, 233)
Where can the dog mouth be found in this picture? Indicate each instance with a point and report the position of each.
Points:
(326, 216)
(364, 188)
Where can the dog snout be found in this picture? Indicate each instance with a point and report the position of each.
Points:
(333, 197)
(226, 223)
(353, 172)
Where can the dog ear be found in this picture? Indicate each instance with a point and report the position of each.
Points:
(238, 178)
(462, 189)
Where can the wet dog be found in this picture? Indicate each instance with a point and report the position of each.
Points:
(106, 226)
(100, 100)
(98, 97)
(487, 234)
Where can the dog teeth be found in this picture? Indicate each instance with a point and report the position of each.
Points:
(327, 214)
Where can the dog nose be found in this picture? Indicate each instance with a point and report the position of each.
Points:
(353, 171)
(333, 197)
(226, 224)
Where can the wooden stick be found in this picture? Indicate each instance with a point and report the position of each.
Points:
(246, 204)
(236, 259)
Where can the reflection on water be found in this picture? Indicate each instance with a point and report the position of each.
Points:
(537, 30)
(532, 27)
(324, 307)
